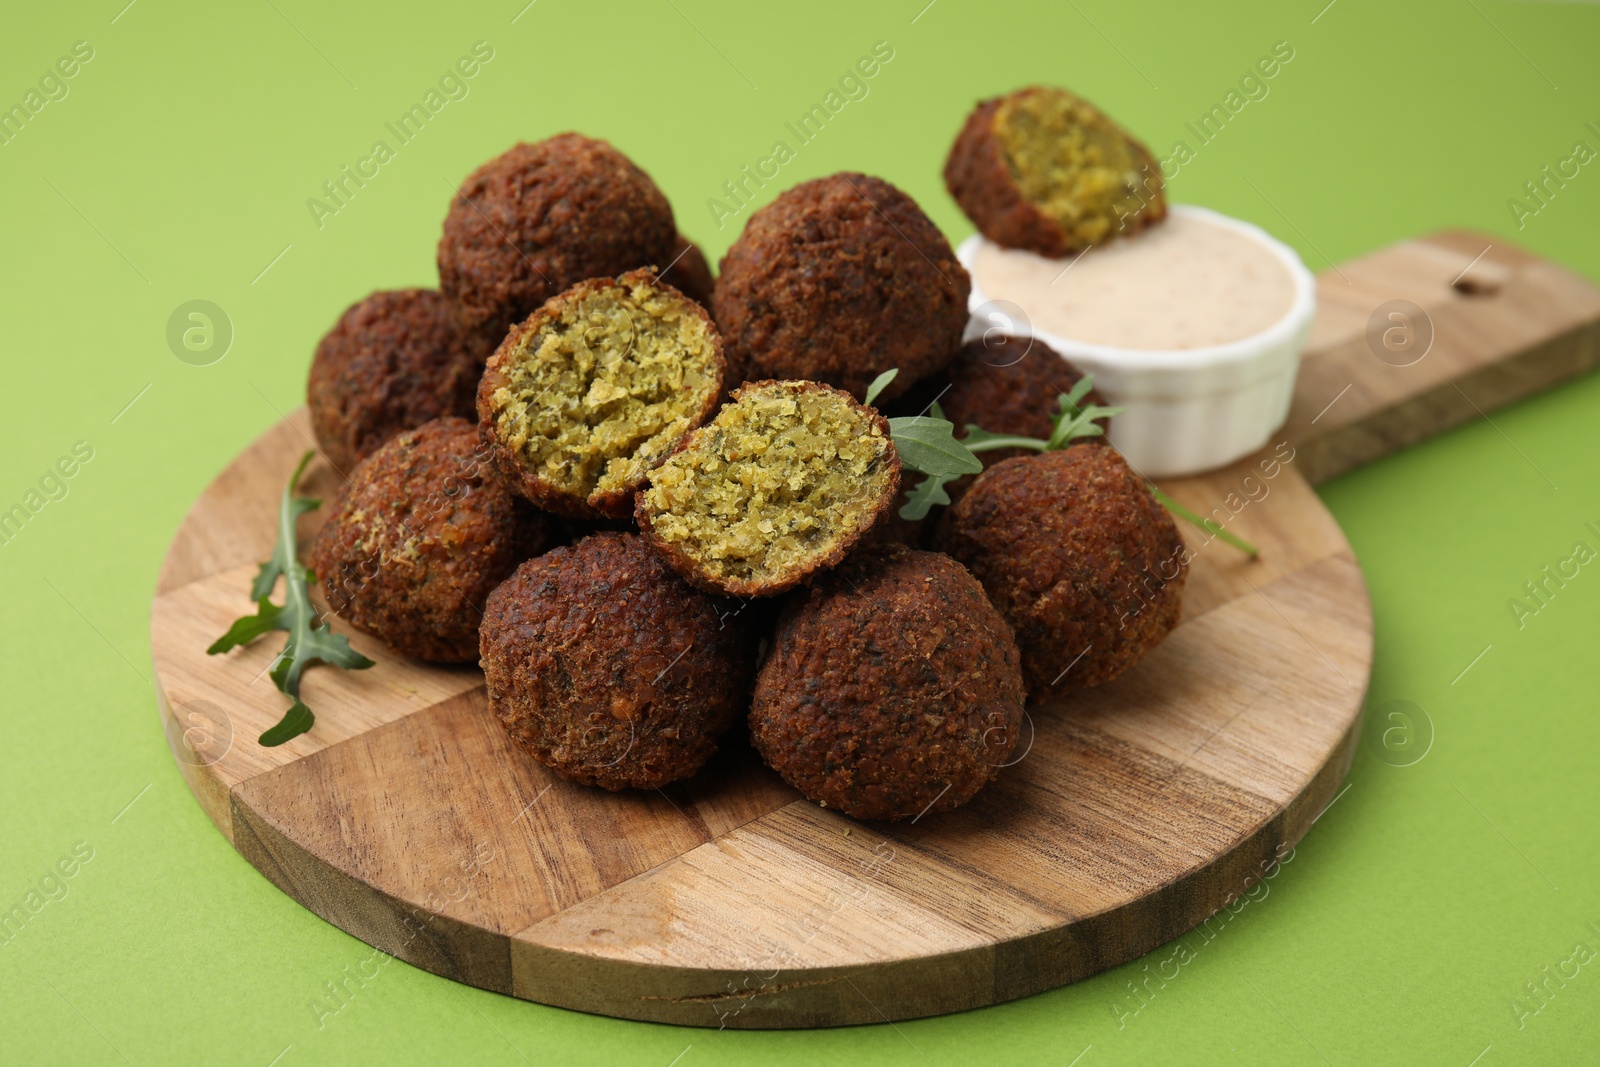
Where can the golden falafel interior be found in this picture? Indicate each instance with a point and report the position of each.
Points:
(777, 479)
(605, 388)
(1072, 163)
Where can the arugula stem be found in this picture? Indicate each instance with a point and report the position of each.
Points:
(928, 445)
(295, 604)
(308, 642)
(992, 444)
(1210, 526)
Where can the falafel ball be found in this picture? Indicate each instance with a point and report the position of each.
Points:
(892, 688)
(1005, 384)
(1082, 561)
(595, 387)
(689, 272)
(838, 280)
(605, 667)
(392, 362)
(537, 531)
(894, 529)
(781, 484)
(416, 540)
(1010, 385)
(1047, 171)
(539, 219)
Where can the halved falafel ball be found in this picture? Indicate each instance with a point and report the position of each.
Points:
(1082, 561)
(605, 667)
(689, 272)
(392, 362)
(892, 688)
(838, 280)
(416, 540)
(1044, 170)
(781, 484)
(595, 387)
(541, 218)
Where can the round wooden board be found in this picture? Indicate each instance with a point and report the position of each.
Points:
(1137, 811)
(406, 818)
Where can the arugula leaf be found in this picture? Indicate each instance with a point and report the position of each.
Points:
(879, 384)
(1073, 422)
(920, 501)
(247, 629)
(1080, 389)
(310, 641)
(296, 721)
(929, 445)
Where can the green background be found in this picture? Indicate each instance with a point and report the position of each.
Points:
(178, 168)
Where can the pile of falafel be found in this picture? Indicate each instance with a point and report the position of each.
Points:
(651, 504)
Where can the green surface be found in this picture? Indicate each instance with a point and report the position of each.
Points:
(178, 166)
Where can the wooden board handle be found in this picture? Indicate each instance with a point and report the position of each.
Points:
(1428, 334)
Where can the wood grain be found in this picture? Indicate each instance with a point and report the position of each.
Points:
(1138, 812)
(1505, 325)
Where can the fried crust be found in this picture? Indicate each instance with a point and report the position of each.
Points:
(1004, 384)
(1081, 560)
(416, 540)
(689, 273)
(392, 362)
(838, 280)
(892, 690)
(540, 218)
(605, 667)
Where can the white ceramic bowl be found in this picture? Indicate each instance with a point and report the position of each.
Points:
(1191, 410)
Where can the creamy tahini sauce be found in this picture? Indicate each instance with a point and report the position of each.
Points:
(1184, 283)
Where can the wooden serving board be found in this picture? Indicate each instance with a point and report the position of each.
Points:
(1139, 809)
